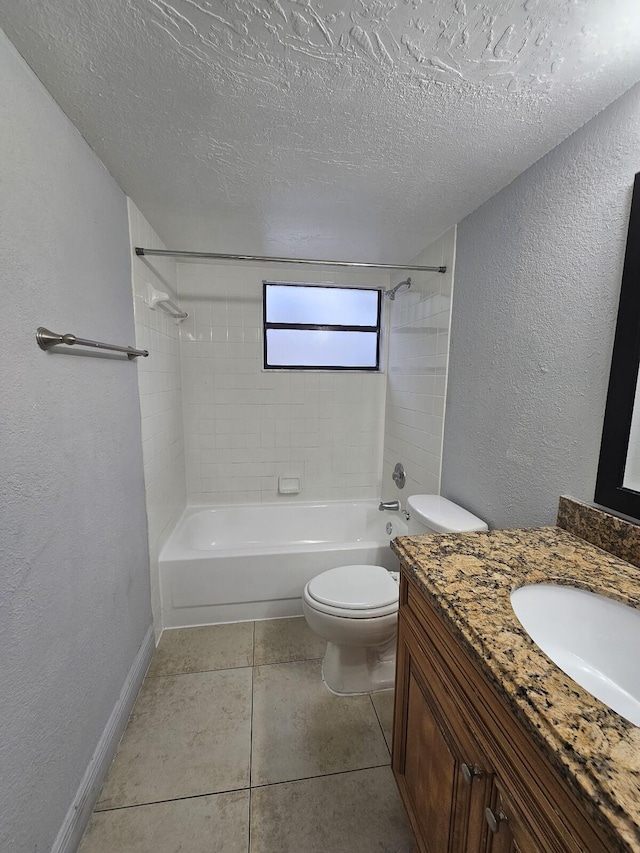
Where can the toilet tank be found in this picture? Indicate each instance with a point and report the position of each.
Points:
(434, 514)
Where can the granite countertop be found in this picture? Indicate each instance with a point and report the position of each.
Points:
(469, 578)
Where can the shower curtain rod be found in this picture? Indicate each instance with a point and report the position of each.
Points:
(219, 256)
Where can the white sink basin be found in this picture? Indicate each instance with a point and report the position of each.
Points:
(594, 639)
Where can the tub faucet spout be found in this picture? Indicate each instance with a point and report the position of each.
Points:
(392, 506)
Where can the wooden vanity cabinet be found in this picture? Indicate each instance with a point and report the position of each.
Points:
(470, 776)
(440, 770)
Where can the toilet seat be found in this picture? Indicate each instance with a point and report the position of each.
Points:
(353, 592)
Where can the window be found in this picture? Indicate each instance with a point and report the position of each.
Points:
(321, 327)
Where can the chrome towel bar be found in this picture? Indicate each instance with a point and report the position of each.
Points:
(47, 339)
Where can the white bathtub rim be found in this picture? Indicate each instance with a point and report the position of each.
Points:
(190, 507)
(182, 553)
(172, 551)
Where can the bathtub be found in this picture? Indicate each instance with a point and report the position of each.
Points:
(235, 563)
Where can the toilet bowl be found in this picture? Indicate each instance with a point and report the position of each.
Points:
(355, 609)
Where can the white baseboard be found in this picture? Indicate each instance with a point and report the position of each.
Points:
(77, 817)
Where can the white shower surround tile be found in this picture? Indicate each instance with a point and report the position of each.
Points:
(245, 427)
(417, 372)
(160, 388)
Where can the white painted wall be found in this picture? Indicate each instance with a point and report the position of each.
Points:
(538, 273)
(160, 386)
(245, 427)
(74, 580)
(418, 353)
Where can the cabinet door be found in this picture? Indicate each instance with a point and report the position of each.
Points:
(440, 773)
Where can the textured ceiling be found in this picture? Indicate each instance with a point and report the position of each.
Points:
(321, 128)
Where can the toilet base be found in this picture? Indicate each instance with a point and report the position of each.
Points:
(353, 670)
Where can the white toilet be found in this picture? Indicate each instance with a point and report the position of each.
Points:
(355, 608)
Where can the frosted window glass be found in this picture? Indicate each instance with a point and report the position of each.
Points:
(294, 347)
(331, 306)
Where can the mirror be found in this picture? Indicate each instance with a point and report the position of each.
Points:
(618, 480)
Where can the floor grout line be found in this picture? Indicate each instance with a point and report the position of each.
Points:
(240, 790)
(253, 673)
(321, 775)
(171, 800)
(253, 646)
(249, 826)
(201, 671)
(375, 711)
(227, 668)
(285, 662)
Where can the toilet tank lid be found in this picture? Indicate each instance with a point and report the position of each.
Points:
(442, 515)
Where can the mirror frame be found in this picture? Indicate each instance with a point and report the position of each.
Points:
(623, 379)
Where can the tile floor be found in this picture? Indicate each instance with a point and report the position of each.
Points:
(235, 745)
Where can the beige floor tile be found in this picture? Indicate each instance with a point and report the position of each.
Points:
(300, 729)
(188, 735)
(201, 649)
(214, 824)
(280, 640)
(383, 703)
(358, 812)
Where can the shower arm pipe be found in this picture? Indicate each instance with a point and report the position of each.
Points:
(221, 256)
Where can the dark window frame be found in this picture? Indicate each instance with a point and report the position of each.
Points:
(320, 327)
